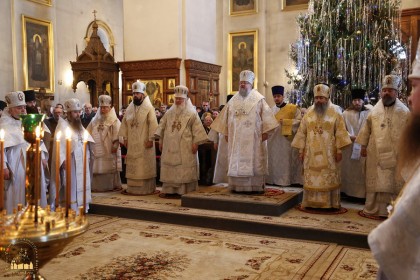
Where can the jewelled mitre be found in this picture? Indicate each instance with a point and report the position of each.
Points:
(72, 104)
(247, 76)
(181, 91)
(138, 87)
(391, 81)
(322, 90)
(15, 98)
(416, 65)
(105, 100)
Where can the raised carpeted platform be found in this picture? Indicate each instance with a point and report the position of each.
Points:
(273, 202)
(347, 229)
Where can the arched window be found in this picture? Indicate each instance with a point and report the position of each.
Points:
(104, 33)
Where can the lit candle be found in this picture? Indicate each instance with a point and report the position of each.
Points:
(85, 138)
(68, 170)
(57, 168)
(37, 184)
(2, 169)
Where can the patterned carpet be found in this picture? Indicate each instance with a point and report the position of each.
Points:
(115, 248)
(349, 222)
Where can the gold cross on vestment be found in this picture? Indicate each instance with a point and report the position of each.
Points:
(101, 127)
(134, 124)
(177, 125)
(318, 129)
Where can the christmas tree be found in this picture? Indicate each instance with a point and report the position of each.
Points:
(347, 44)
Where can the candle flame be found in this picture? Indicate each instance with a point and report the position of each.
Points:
(2, 134)
(58, 135)
(68, 133)
(38, 131)
(85, 136)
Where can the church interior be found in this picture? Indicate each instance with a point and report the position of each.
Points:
(95, 47)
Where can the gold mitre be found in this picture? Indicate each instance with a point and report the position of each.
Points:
(391, 81)
(138, 87)
(181, 91)
(72, 104)
(247, 76)
(15, 98)
(322, 90)
(105, 100)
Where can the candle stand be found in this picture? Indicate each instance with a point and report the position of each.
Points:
(47, 231)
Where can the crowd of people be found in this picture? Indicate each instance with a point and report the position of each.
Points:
(357, 152)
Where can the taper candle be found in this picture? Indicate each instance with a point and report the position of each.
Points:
(57, 168)
(68, 170)
(37, 183)
(2, 169)
(85, 138)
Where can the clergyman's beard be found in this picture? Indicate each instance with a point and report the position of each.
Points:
(320, 108)
(387, 100)
(76, 124)
(31, 110)
(137, 101)
(244, 92)
(409, 147)
(179, 108)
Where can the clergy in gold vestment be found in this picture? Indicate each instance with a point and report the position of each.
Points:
(320, 139)
(284, 167)
(395, 243)
(246, 121)
(104, 129)
(180, 132)
(379, 138)
(137, 129)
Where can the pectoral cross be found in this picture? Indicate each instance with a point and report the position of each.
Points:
(134, 124)
(318, 129)
(177, 125)
(101, 127)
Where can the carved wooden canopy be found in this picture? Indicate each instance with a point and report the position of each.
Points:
(98, 69)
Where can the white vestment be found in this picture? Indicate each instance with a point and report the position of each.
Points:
(244, 120)
(353, 165)
(381, 134)
(395, 243)
(221, 166)
(15, 148)
(178, 131)
(77, 166)
(138, 126)
(284, 166)
(106, 166)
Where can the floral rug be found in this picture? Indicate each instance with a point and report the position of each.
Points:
(270, 195)
(115, 248)
(350, 222)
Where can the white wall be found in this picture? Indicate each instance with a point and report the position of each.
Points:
(156, 29)
(152, 29)
(200, 24)
(282, 30)
(6, 46)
